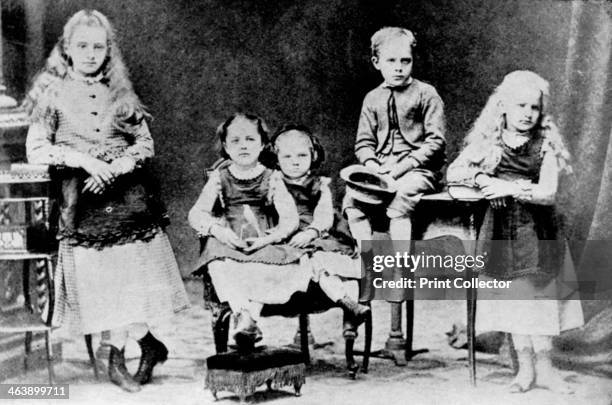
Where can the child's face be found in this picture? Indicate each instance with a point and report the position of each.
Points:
(87, 48)
(523, 108)
(394, 61)
(294, 154)
(243, 143)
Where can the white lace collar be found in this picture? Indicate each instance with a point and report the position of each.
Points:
(515, 140)
(299, 180)
(246, 174)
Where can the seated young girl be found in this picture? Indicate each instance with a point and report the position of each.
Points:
(333, 254)
(245, 210)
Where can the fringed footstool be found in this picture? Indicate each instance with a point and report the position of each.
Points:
(242, 372)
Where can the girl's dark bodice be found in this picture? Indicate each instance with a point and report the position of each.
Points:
(239, 196)
(530, 231)
(523, 162)
(306, 197)
(243, 202)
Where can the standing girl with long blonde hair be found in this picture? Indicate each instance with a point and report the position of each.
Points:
(515, 155)
(116, 270)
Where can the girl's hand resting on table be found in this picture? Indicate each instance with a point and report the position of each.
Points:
(497, 191)
(303, 238)
(498, 203)
(228, 237)
(497, 188)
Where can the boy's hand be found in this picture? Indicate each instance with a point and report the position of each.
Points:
(303, 238)
(377, 167)
(228, 237)
(373, 165)
(403, 166)
(398, 172)
(384, 169)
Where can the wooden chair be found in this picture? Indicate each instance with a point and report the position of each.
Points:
(300, 305)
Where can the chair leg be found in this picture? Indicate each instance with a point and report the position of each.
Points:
(49, 349)
(297, 339)
(367, 349)
(28, 350)
(349, 331)
(298, 389)
(351, 365)
(220, 327)
(304, 338)
(92, 357)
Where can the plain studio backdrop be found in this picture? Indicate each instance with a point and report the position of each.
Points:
(195, 62)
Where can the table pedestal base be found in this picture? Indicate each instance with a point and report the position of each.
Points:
(397, 348)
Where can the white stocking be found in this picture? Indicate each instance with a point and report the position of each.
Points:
(359, 225)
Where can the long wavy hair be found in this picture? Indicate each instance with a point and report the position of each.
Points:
(128, 110)
(485, 136)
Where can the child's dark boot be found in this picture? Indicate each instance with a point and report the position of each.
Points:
(152, 352)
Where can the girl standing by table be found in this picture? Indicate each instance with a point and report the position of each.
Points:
(515, 155)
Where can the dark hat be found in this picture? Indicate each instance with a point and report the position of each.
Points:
(366, 185)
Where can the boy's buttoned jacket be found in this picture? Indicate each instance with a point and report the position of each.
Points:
(420, 113)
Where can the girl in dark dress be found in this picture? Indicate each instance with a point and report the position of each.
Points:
(515, 155)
